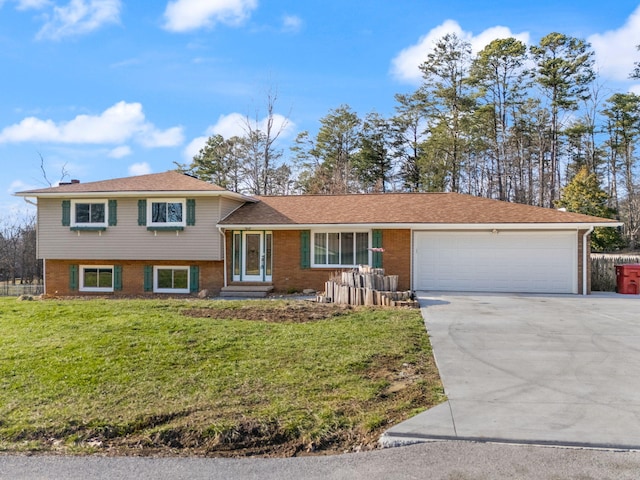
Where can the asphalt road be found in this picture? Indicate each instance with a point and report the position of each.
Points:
(436, 460)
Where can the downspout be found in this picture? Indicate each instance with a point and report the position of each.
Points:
(224, 254)
(584, 260)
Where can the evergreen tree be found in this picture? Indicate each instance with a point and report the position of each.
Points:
(218, 162)
(373, 162)
(499, 73)
(448, 105)
(564, 71)
(408, 127)
(584, 195)
(623, 113)
(328, 161)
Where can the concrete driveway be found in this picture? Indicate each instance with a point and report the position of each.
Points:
(534, 369)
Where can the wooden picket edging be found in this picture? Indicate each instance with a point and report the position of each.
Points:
(366, 286)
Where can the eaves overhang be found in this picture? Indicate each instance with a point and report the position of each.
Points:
(138, 194)
(421, 226)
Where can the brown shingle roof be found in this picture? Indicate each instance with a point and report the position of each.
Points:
(396, 208)
(155, 182)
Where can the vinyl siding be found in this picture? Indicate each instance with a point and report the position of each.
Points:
(227, 206)
(128, 240)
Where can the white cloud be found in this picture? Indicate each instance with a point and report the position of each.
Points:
(32, 4)
(119, 152)
(232, 125)
(19, 185)
(291, 23)
(235, 125)
(18, 210)
(126, 63)
(117, 124)
(141, 168)
(161, 138)
(635, 89)
(194, 147)
(616, 49)
(186, 15)
(78, 17)
(405, 66)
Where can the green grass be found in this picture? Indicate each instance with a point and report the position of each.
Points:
(124, 373)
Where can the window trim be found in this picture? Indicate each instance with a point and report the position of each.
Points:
(89, 225)
(166, 225)
(81, 286)
(156, 289)
(312, 250)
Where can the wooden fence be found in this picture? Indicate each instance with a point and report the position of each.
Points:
(603, 272)
(10, 290)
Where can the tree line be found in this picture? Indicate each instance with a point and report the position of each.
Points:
(18, 263)
(513, 122)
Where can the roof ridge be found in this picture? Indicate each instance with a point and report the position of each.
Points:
(358, 194)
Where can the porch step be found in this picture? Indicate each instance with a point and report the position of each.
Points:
(248, 291)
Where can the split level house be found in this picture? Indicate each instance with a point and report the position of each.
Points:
(170, 233)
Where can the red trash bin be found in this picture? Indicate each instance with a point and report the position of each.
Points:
(628, 278)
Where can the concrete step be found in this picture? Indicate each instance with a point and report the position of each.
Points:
(246, 291)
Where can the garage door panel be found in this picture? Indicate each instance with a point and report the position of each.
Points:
(541, 262)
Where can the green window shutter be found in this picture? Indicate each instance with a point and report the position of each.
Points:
(148, 278)
(376, 242)
(305, 249)
(73, 277)
(113, 213)
(142, 212)
(194, 278)
(117, 278)
(191, 211)
(66, 213)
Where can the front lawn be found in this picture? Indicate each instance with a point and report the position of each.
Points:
(207, 377)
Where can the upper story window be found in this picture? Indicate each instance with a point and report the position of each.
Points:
(91, 213)
(340, 249)
(166, 213)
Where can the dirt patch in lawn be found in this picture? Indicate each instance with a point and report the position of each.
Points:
(401, 389)
(408, 389)
(247, 438)
(298, 312)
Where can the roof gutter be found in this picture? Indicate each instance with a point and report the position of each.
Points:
(423, 226)
(140, 193)
(30, 202)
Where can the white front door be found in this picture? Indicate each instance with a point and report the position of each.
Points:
(255, 256)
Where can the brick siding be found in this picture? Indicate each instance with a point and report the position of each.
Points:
(57, 276)
(288, 276)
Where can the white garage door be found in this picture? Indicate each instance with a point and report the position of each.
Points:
(534, 262)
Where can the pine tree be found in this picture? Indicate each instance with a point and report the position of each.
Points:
(584, 195)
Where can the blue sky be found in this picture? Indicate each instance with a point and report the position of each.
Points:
(111, 88)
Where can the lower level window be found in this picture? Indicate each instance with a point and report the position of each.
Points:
(96, 278)
(170, 279)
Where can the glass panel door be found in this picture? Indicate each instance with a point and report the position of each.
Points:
(256, 256)
(252, 255)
